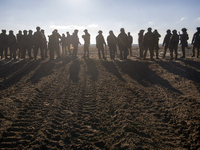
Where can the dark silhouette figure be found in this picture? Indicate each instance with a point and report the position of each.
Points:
(30, 43)
(44, 43)
(166, 42)
(156, 42)
(68, 42)
(174, 40)
(140, 42)
(112, 44)
(75, 42)
(3, 44)
(53, 44)
(100, 42)
(122, 41)
(64, 44)
(130, 42)
(12, 44)
(24, 44)
(86, 39)
(183, 38)
(58, 36)
(148, 43)
(38, 43)
(196, 42)
(19, 43)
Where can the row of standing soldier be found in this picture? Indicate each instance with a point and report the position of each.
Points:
(150, 40)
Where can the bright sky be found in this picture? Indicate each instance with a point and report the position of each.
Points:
(105, 15)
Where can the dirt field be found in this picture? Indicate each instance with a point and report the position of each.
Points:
(100, 104)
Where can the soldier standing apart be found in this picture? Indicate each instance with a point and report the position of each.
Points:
(64, 44)
(75, 42)
(58, 36)
(19, 43)
(140, 42)
(148, 43)
(38, 43)
(196, 42)
(112, 43)
(156, 42)
(86, 38)
(100, 42)
(44, 43)
(3, 44)
(184, 37)
(30, 43)
(24, 44)
(53, 44)
(123, 45)
(12, 44)
(174, 40)
(166, 42)
(130, 42)
(68, 42)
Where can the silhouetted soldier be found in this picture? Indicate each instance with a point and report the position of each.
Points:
(68, 42)
(123, 45)
(174, 40)
(12, 44)
(58, 36)
(156, 41)
(100, 42)
(86, 38)
(53, 44)
(75, 42)
(64, 44)
(140, 42)
(30, 43)
(130, 42)
(19, 43)
(148, 43)
(44, 43)
(3, 44)
(38, 43)
(183, 38)
(195, 42)
(166, 42)
(112, 43)
(24, 44)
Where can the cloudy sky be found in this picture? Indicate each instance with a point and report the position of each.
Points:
(94, 15)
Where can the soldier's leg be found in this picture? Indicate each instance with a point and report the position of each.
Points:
(171, 51)
(103, 53)
(145, 52)
(131, 50)
(35, 52)
(6, 52)
(176, 53)
(125, 53)
(99, 53)
(11, 52)
(14, 52)
(165, 50)
(198, 47)
(183, 51)
(193, 49)
(151, 51)
(88, 51)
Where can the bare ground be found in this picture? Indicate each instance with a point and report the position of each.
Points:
(100, 104)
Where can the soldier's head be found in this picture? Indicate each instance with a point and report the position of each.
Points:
(30, 31)
(155, 31)
(67, 33)
(55, 30)
(168, 31)
(149, 29)
(141, 31)
(122, 30)
(86, 31)
(38, 28)
(184, 29)
(42, 31)
(11, 32)
(100, 32)
(198, 29)
(4, 31)
(63, 35)
(20, 32)
(129, 33)
(174, 31)
(111, 32)
(25, 32)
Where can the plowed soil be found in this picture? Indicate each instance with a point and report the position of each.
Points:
(82, 103)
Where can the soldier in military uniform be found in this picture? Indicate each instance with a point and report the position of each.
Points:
(123, 44)
(68, 42)
(19, 43)
(38, 42)
(12, 44)
(44, 44)
(24, 44)
(53, 44)
(130, 42)
(148, 43)
(166, 42)
(174, 40)
(140, 42)
(195, 42)
(156, 42)
(64, 44)
(75, 42)
(3, 44)
(100, 42)
(183, 38)
(112, 44)
(30, 43)
(86, 39)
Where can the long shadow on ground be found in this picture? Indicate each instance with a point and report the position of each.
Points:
(92, 69)
(74, 70)
(141, 72)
